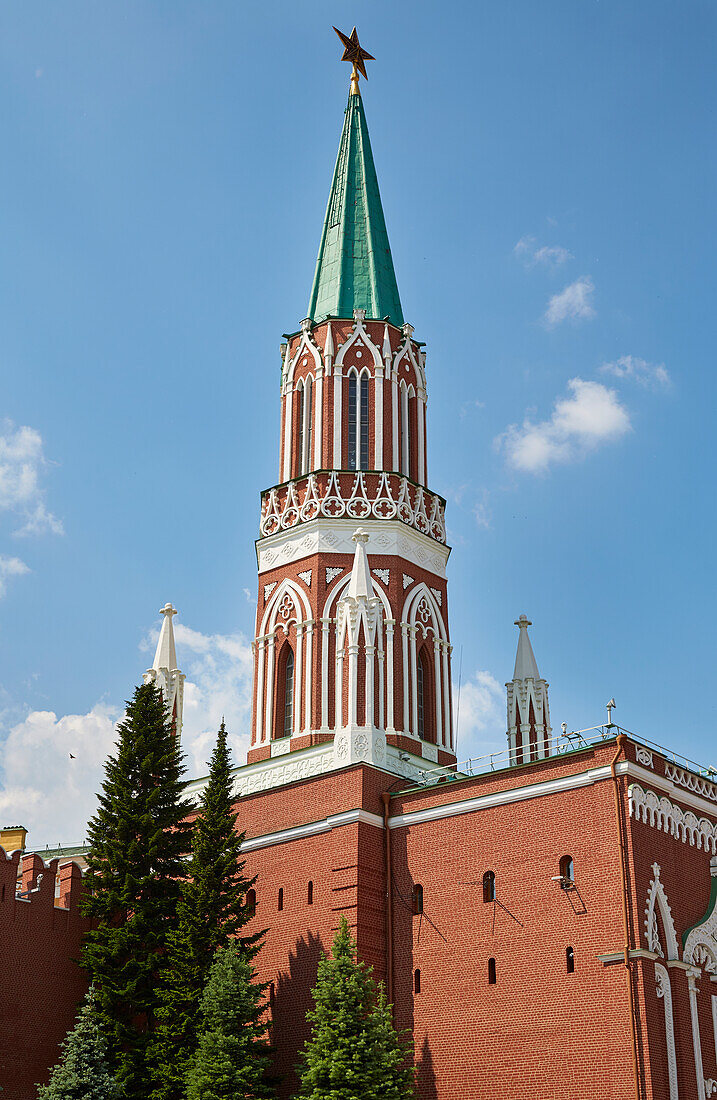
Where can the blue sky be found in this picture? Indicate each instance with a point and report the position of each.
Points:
(547, 173)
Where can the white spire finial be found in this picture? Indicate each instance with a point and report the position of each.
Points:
(166, 655)
(526, 667)
(360, 583)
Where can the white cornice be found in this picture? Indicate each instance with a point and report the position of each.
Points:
(326, 536)
(313, 828)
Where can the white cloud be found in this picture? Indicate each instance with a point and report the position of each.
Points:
(54, 796)
(10, 567)
(45, 790)
(480, 725)
(574, 303)
(590, 416)
(219, 669)
(531, 253)
(22, 463)
(652, 375)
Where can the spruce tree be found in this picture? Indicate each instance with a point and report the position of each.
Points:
(232, 1056)
(212, 911)
(354, 1051)
(138, 843)
(82, 1072)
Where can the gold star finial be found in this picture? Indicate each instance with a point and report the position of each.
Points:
(354, 52)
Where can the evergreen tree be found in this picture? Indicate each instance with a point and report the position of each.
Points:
(212, 911)
(82, 1072)
(137, 844)
(232, 1056)
(354, 1051)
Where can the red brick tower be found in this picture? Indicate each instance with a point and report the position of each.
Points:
(352, 653)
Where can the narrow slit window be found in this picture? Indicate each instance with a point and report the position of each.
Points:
(307, 463)
(489, 886)
(421, 687)
(280, 905)
(310, 894)
(289, 694)
(569, 960)
(363, 465)
(491, 972)
(251, 901)
(416, 981)
(352, 423)
(300, 434)
(417, 899)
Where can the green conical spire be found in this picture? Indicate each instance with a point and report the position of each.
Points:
(355, 269)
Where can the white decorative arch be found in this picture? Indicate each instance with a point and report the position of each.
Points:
(426, 616)
(306, 347)
(406, 349)
(360, 335)
(273, 610)
(338, 589)
(656, 897)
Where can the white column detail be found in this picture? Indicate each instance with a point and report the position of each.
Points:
(325, 626)
(406, 714)
(339, 687)
(298, 673)
(696, 1041)
(439, 696)
(338, 414)
(447, 723)
(268, 720)
(406, 448)
(370, 659)
(259, 708)
(286, 471)
(307, 665)
(420, 420)
(381, 685)
(318, 418)
(390, 623)
(352, 684)
(664, 991)
(394, 419)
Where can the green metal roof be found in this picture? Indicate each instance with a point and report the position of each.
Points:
(354, 269)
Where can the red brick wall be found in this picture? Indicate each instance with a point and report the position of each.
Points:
(40, 984)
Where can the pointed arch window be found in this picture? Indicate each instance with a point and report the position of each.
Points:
(288, 709)
(424, 696)
(363, 455)
(300, 415)
(358, 422)
(306, 459)
(352, 422)
(405, 433)
(421, 686)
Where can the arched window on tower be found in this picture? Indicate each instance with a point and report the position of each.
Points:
(352, 422)
(417, 899)
(363, 455)
(567, 872)
(300, 413)
(286, 711)
(405, 455)
(307, 458)
(251, 902)
(489, 886)
(424, 692)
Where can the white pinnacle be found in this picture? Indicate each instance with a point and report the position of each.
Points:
(360, 583)
(526, 667)
(166, 655)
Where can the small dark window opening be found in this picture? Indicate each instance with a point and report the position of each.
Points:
(3, 894)
(310, 897)
(489, 886)
(416, 981)
(417, 899)
(491, 971)
(289, 694)
(569, 960)
(567, 872)
(251, 901)
(281, 898)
